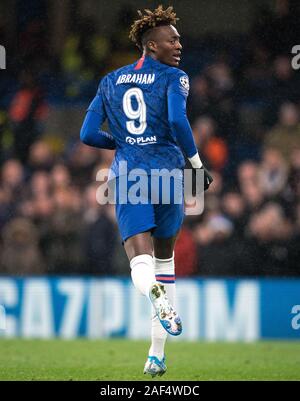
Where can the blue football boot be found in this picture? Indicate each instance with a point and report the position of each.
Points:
(154, 366)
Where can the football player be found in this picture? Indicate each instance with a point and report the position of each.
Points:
(145, 105)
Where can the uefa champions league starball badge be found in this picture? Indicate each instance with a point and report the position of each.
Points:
(185, 82)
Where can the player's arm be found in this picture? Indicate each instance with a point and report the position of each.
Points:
(180, 126)
(91, 133)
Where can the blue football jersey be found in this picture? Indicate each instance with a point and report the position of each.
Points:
(134, 100)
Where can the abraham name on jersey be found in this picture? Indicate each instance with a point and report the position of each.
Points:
(136, 78)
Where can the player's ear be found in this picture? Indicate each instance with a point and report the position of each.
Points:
(152, 45)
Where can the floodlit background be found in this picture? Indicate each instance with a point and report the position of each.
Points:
(244, 108)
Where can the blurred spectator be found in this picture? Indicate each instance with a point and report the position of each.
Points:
(199, 103)
(269, 223)
(285, 82)
(100, 236)
(63, 252)
(213, 148)
(82, 162)
(11, 189)
(217, 186)
(250, 185)
(234, 207)
(220, 75)
(6, 135)
(40, 156)
(40, 184)
(285, 136)
(248, 173)
(254, 197)
(185, 254)
(12, 175)
(294, 176)
(27, 109)
(273, 172)
(219, 254)
(271, 232)
(60, 176)
(20, 254)
(212, 205)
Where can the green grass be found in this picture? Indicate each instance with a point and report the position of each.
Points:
(124, 360)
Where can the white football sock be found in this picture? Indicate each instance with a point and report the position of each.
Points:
(165, 273)
(142, 273)
(158, 339)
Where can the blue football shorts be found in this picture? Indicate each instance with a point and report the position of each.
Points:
(155, 205)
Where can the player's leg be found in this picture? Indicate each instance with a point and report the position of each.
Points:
(165, 273)
(139, 244)
(168, 219)
(164, 247)
(135, 222)
(139, 250)
(164, 265)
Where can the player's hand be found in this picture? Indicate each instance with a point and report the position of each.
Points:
(207, 178)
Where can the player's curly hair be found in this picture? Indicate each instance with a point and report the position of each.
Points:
(149, 20)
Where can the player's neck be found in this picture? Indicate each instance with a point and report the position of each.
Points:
(151, 55)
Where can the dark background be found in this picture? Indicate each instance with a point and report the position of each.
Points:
(244, 107)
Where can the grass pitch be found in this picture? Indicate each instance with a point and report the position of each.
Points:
(124, 360)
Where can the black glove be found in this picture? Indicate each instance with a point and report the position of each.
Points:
(207, 178)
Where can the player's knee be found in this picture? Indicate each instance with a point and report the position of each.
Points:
(139, 244)
(164, 247)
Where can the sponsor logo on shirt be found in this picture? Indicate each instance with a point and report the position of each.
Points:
(148, 140)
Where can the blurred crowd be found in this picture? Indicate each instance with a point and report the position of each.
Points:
(244, 107)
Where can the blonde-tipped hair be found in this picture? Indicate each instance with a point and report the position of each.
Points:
(149, 20)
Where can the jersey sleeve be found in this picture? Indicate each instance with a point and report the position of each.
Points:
(97, 104)
(179, 83)
(178, 90)
(91, 133)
